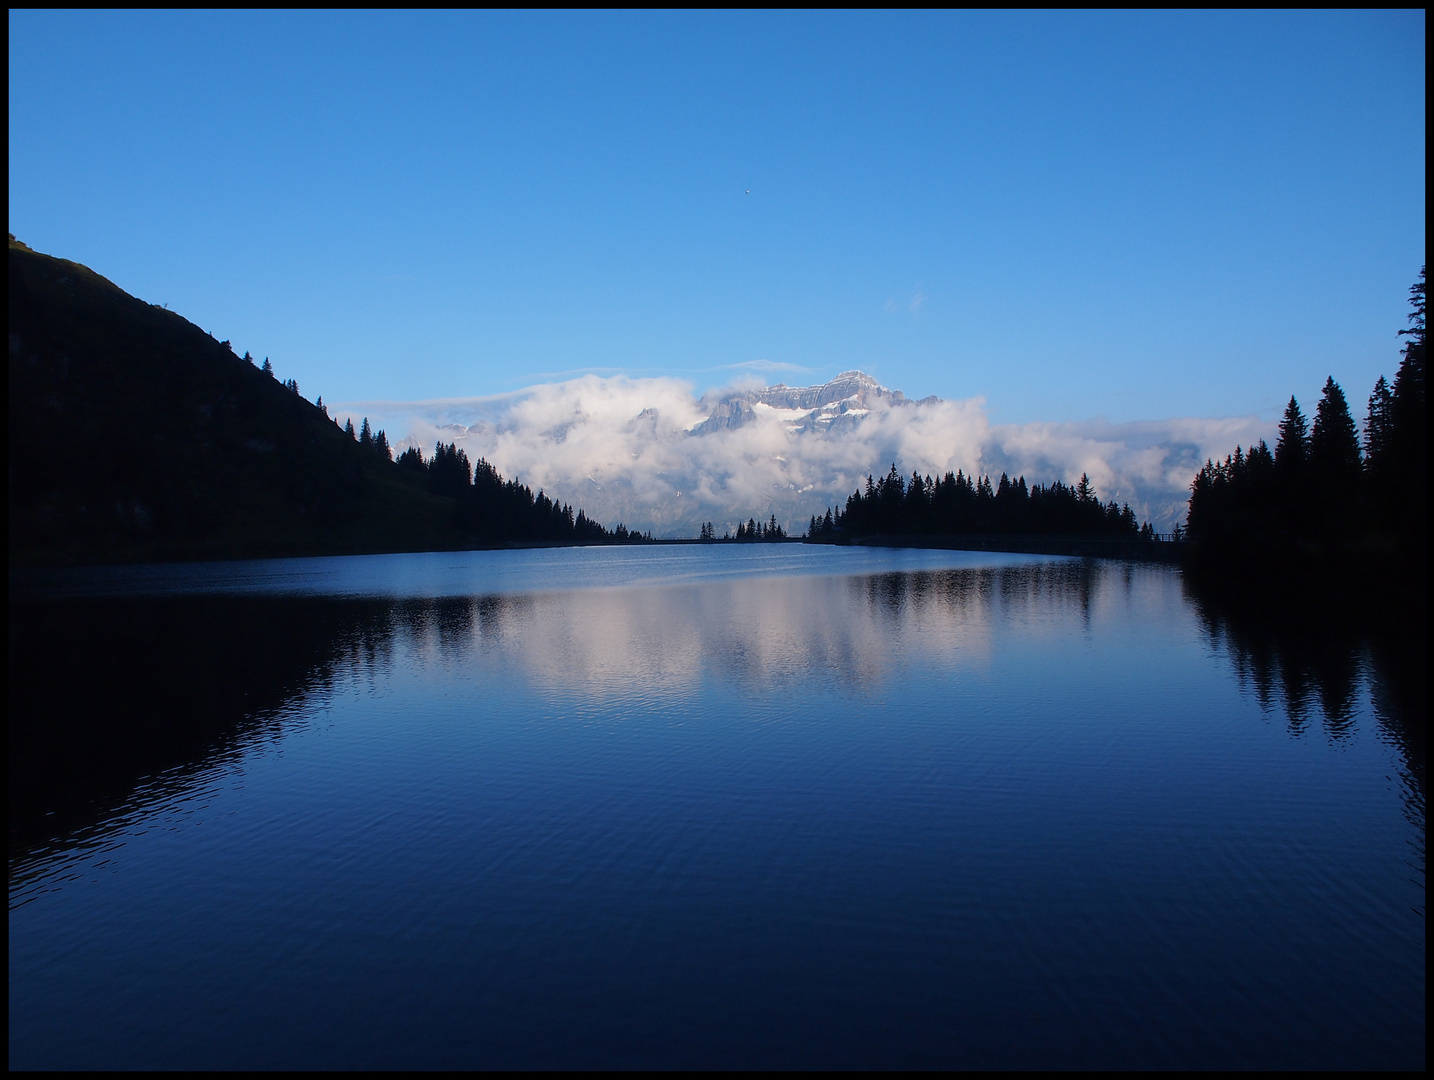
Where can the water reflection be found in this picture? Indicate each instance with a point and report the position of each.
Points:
(1310, 654)
(1008, 591)
(106, 693)
(875, 818)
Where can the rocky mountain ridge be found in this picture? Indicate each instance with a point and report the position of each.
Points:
(835, 404)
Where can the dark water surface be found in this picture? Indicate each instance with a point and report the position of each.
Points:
(700, 806)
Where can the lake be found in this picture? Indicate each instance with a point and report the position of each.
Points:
(727, 806)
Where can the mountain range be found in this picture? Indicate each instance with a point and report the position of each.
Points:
(833, 406)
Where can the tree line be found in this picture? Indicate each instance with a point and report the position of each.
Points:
(753, 532)
(958, 504)
(497, 510)
(1320, 486)
(490, 508)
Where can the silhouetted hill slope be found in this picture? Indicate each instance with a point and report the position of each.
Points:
(135, 435)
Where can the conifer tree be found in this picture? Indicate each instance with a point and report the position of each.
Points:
(1377, 425)
(1409, 382)
(1293, 448)
(1409, 430)
(1315, 486)
(1334, 443)
(1410, 419)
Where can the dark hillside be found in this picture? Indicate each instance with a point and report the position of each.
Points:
(135, 435)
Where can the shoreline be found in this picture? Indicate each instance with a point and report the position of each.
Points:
(1090, 547)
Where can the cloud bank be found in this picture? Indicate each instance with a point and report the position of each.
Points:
(650, 453)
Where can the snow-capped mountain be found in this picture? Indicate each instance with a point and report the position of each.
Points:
(841, 403)
(646, 453)
(649, 454)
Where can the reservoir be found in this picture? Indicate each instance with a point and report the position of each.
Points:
(703, 806)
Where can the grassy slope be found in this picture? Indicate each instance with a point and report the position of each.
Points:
(134, 435)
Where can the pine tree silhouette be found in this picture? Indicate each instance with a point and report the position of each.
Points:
(1293, 448)
(1316, 489)
(1406, 508)
(1334, 461)
(1377, 425)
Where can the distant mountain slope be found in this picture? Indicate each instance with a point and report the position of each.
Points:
(833, 405)
(135, 435)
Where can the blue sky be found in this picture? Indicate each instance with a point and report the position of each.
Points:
(1076, 216)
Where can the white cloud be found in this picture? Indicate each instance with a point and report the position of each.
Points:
(651, 453)
(763, 365)
(1149, 464)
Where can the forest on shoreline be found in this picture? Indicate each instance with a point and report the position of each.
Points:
(179, 449)
(1324, 492)
(174, 448)
(961, 505)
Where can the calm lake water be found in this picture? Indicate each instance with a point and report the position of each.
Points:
(701, 806)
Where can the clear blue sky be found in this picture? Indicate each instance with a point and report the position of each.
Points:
(1075, 215)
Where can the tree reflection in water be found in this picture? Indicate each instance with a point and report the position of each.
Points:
(106, 695)
(1308, 651)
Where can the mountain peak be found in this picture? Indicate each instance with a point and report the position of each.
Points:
(843, 400)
